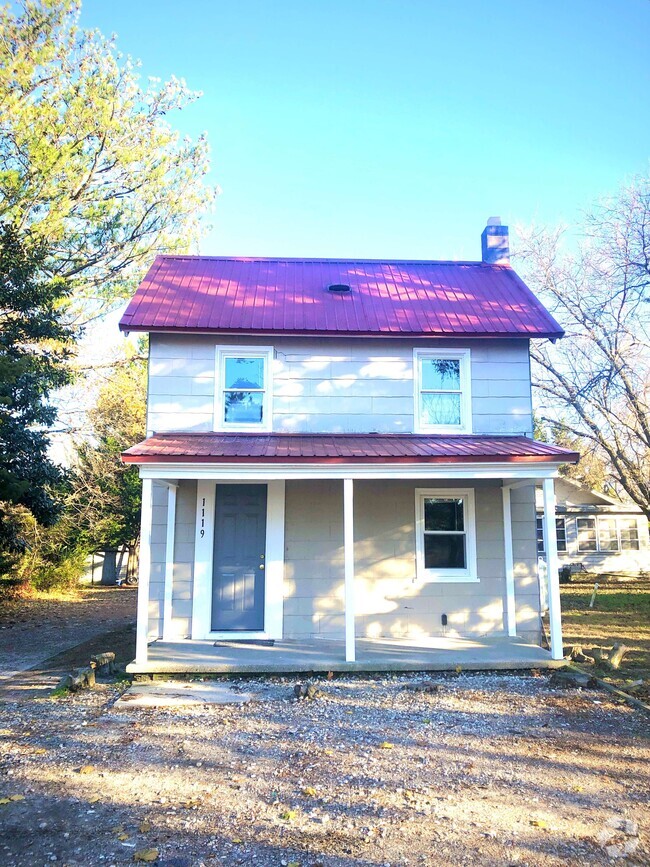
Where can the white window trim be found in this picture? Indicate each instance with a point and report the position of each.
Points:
(468, 575)
(223, 352)
(464, 356)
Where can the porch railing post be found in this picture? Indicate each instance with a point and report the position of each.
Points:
(511, 612)
(142, 627)
(169, 562)
(552, 566)
(348, 553)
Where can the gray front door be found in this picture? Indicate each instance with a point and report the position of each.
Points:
(239, 548)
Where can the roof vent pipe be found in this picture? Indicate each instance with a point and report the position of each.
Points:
(495, 243)
(339, 287)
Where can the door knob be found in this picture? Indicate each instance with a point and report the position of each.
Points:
(261, 565)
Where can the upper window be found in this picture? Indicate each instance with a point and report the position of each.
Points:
(560, 530)
(243, 388)
(442, 390)
(445, 534)
(607, 534)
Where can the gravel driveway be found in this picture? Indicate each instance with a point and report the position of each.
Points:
(489, 770)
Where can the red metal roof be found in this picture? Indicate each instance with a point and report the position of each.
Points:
(273, 296)
(231, 448)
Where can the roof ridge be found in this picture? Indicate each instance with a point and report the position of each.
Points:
(339, 260)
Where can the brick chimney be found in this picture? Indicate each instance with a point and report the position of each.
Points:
(495, 244)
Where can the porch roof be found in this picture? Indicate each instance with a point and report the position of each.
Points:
(231, 448)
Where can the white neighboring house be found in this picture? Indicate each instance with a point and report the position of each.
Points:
(597, 531)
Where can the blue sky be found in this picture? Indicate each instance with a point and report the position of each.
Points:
(387, 129)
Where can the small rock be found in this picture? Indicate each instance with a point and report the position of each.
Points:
(308, 691)
(146, 855)
(423, 686)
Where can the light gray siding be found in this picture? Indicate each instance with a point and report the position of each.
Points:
(336, 386)
(185, 529)
(157, 573)
(390, 601)
(524, 548)
(183, 560)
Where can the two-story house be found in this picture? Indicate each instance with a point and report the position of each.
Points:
(339, 455)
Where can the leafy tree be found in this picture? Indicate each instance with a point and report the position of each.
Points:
(104, 505)
(35, 345)
(595, 383)
(88, 161)
(591, 471)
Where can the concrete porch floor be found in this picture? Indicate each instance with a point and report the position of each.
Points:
(321, 655)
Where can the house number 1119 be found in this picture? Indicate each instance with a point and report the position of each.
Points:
(203, 518)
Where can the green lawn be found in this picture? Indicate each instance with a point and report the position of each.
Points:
(621, 613)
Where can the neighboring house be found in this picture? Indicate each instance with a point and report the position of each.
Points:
(340, 450)
(596, 531)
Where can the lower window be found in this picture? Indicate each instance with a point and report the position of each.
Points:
(445, 534)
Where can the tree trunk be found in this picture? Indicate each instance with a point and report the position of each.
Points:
(109, 568)
(133, 561)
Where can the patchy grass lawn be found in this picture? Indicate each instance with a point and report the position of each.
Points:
(621, 613)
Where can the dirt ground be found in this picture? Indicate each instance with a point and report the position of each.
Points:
(38, 628)
(489, 770)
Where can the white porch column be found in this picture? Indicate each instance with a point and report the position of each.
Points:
(348, 549)
(552, 566)
(511, 613)
(142, 627)
(169, 562)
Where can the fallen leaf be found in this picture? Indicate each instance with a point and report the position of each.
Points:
(539, 823)
(39, 752)
(16, 797)
(147, 855)
(86, 769)
(94, 798)
(458, 669)
(288, 815)
(386, 745)
(236, 841)
(145, 827)
(5, 733)
(191, 803)
(5, 800)
(293, 864)
(309, 790)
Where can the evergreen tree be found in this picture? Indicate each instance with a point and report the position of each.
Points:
(35, 345)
